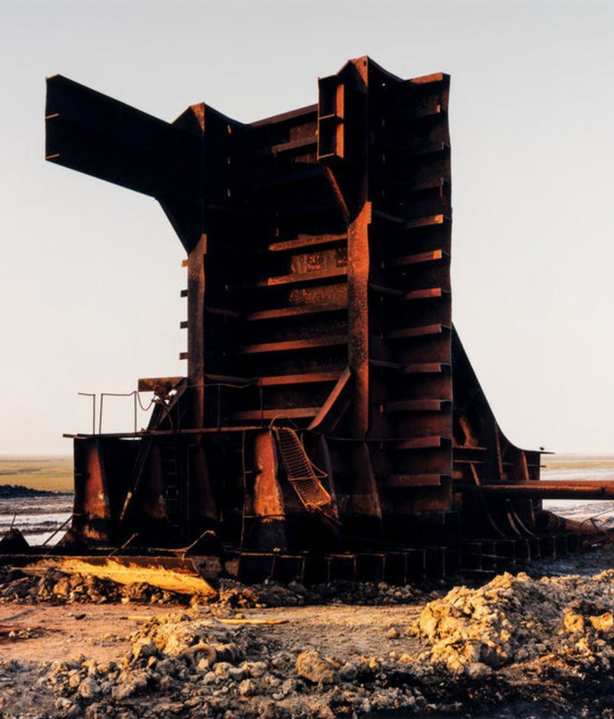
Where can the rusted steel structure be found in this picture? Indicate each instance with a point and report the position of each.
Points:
(329, 420)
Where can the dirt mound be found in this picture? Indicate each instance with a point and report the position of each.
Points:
(195, 666)
(518, 619)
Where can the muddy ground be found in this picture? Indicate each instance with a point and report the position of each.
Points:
(532, 644)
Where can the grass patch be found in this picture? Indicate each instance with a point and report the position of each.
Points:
(577, 461)
(54, 474)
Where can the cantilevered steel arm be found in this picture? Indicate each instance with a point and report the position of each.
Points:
(100, 136)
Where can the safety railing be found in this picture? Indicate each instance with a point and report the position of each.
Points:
(98, 403)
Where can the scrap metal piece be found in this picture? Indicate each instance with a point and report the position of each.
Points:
(170, 573)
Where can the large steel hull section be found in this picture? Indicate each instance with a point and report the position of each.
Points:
(328, 404)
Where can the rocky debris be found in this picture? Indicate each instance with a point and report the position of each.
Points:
(518, 646)
(57, 587)
(190, 664)
(170, 671)
(272, 594)
(512, 619)
(315, 668)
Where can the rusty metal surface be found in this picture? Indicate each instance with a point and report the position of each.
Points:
(170, 573)
(318, 300)
(561, 489)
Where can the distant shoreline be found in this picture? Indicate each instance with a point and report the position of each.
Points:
(18, 491)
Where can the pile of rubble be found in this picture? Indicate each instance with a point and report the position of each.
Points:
(566, 620)
(57, 587)
(515, 647)
(294, 594)
(190, 664)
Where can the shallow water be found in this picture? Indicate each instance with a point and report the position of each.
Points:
(37, 517)
(581, 508)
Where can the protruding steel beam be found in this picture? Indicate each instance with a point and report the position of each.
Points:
(95, 134)
(560, 489)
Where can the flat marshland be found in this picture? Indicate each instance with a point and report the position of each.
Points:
(41, 472)
(580, 462)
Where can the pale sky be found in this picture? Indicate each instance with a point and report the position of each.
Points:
(90, 273)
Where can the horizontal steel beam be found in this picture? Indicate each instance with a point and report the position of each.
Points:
(545, 489)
